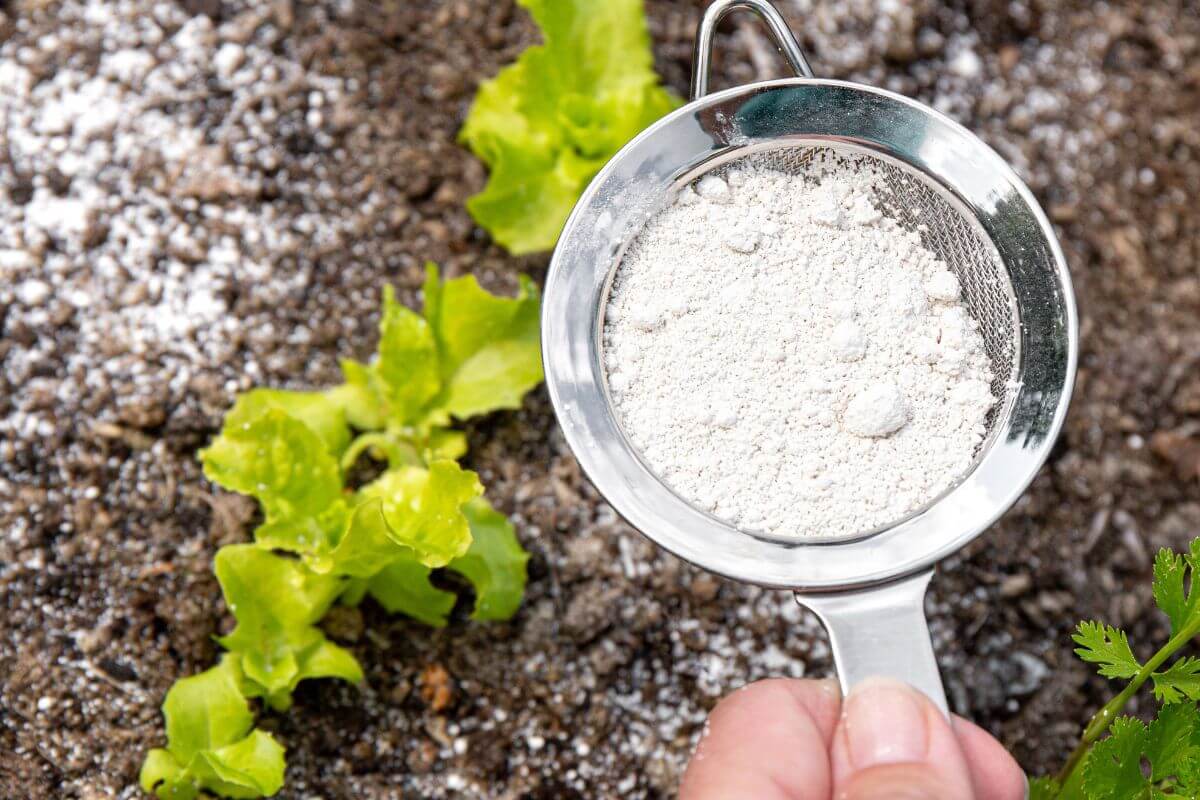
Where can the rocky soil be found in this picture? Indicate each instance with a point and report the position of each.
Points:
(199, 196)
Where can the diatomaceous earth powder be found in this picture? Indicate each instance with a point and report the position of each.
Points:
(790, 359)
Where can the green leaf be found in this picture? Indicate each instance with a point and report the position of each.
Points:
(546, 124)
(495, 564)
(162, 774)
(1113, 770)
(443, 443)
(277, 459)
(489, 346)
(1043, 789)
(206, 711)
(1171, 741)
(366, 546)
(362, 397)
(408, 360)
(277, 602)
(403, 587)
(322, 415)
(310, 537)
(1170, 572)
(1180, 681)
(423, 509)
(252, 767)
(211, 745)
(1107, 646)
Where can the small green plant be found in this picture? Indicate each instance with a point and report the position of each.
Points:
(323, 541)
(1138, 761)
(547, 123)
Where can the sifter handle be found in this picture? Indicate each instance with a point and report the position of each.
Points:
(881, 631)
(780, 32)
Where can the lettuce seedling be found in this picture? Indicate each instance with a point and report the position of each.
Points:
(212, 744)
(322, 541)
(277, 603)
(547, 123)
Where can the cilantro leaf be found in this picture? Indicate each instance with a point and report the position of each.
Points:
(277, 459)
(489, 346)
(1180, 681)
(1043, 789)
(547, 123)
(210, 744)
(277, 602)
(403, 587)
(1171, 740)
(423, 508)
(1107, 646)
(495, 564)
(322, 415)
(1170, 571)
(1114, 769)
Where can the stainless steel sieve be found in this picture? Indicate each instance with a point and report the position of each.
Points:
(969, 208)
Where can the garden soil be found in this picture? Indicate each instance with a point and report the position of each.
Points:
(599, 686)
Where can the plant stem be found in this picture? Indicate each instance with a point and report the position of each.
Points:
(1103, 718)
(397, 452)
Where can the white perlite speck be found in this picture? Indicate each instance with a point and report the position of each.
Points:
(790, 359)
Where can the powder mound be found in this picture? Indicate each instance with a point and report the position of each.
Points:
(789, 358)
(878, 410)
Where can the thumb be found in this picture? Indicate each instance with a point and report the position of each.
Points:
(892, 743)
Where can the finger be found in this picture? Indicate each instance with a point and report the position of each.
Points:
(994, 773)
(767, 741)
(893, 742)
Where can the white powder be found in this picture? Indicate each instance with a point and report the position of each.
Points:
(791, 360)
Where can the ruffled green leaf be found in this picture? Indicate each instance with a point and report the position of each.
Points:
(277, 602)
(489, 346)
(366, 547)
(403, 587)
(252, 767)
(408, 360)
(547, 123)
(323, 416)
(423, 509)
(277, 459)
(362, 397)
(495, 564)
(210, 742)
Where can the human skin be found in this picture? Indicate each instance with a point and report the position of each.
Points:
(790, 739)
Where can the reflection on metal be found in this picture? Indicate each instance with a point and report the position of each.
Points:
(781, 34)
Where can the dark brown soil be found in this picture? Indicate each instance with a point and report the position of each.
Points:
(599, 686)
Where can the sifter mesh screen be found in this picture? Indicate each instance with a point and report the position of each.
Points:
(915, 202)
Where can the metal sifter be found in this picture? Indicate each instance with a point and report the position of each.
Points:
(969, 208)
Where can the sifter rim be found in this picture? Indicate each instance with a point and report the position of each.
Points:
(622, 197)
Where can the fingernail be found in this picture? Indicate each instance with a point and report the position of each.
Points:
(884, 724)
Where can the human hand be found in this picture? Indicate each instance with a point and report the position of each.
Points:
(798, 740)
